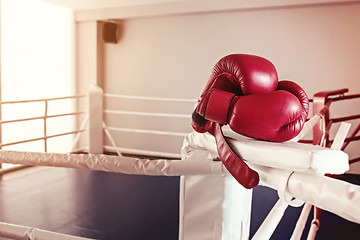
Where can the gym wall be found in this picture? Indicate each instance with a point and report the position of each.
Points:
(173, 55)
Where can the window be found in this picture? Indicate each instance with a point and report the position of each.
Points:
(36, 62)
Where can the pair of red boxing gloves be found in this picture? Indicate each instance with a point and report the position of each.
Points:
(244, 92)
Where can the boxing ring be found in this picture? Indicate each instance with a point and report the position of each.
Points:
(301, 181)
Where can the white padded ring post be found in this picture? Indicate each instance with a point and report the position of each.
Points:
(95, 120)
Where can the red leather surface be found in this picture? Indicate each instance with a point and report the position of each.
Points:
(247, 177)
(253, 74)
(276, 116)
(216, 105)
(262, 107)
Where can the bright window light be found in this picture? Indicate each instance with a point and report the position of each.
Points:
(36, 57)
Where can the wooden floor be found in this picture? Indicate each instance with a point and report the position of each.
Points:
(114, 206)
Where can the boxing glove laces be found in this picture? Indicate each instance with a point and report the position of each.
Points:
(243, 92)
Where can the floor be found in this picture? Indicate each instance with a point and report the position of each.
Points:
(116, 206)
(93, 204)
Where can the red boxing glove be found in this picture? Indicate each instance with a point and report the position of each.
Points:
(239, 74)
(243, 74)
(243, 92)
(275, 116)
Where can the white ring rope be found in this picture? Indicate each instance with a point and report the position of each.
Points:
(301, 222)
(273, 161)
(141, 152)
(133, 130)
(184, 100)
(77, 136)
(119, 164)
(341, 197)
(298, 178)
(268, 226)
(148, 114)
(107, 133)
(271, 221)
(18, 232)
(308, 126)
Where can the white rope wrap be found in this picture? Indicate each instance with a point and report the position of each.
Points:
(117, 164)
(18, 232)
(305, 162)
(329, 194)
(290, 155)
(333, 195)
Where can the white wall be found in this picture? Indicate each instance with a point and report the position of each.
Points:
(172, 56)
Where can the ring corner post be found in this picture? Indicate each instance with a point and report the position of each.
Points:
(96, 139)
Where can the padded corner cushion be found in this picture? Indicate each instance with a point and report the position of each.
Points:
(291, 155)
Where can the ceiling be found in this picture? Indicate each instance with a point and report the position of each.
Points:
(120, 9)
(102, 4)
